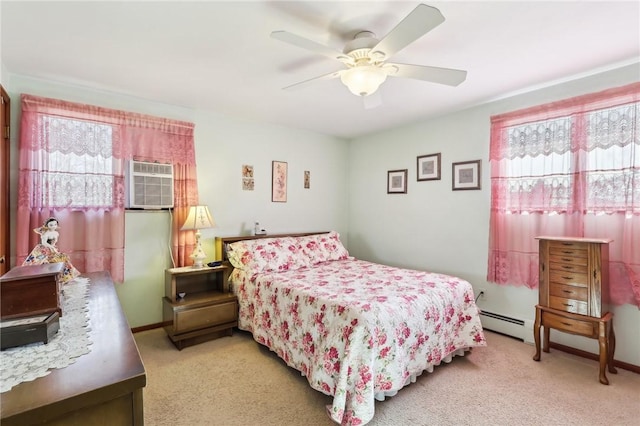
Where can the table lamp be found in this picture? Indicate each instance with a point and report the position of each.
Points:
(198, 218)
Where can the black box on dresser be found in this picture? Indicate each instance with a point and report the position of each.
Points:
(23, 331)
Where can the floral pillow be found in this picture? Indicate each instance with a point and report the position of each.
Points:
(323, 247)
(267, 255)
(285, 253)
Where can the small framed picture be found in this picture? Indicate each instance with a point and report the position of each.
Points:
(247, 178)
(429, 167)
(466, 175)
(247, 171)
(397, 181)
(279, 181)
(307, 179)
(248, 184)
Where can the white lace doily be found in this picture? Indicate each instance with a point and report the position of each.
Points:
(27, 363)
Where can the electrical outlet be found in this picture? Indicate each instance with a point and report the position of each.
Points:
(482, 294)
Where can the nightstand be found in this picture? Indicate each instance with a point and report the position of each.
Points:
(206, 311)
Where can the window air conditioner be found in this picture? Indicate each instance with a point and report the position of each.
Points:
(149, 185)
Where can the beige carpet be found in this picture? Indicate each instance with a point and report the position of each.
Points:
(235, 381)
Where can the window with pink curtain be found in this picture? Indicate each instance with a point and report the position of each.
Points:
(71, 166)
(570, 168)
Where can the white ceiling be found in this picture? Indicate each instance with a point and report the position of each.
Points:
(219, 56)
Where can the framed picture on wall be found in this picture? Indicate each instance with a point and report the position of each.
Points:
(397, 181)
(466, 175)
(247, 178)
(307, 179)
(279, 181)
(429, 167)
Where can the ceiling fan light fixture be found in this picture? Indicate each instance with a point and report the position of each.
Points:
(363, 80)
(365, 56)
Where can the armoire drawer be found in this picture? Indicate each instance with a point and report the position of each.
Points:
(569, 278)
(568, 305)
(568, 267)
(573, 292)
(566, 259)
(570, 325)
(572, 248)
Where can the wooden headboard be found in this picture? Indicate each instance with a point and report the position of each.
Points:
(221, 242)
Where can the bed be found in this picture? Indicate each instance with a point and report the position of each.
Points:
(358, 331)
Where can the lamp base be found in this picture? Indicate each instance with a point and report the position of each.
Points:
(197, 264)
(198, 258)
(198, 254)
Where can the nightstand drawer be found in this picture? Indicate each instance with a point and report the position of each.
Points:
(206, 316)
(578, 293)
(569, 325)
(568, 305)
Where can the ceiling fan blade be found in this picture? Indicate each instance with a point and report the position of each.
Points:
(448, 76)
(420, 21)
(311, 45)
(304, 83)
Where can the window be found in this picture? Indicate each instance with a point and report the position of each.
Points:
(80, 171)
(71, 167)
(547, 161)
(570, 168)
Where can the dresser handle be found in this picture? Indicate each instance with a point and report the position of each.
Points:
(567, 324)
(567, 259)
(567, 278)
(568, 305)
(567, 291)
(567, 267)
(567, 252)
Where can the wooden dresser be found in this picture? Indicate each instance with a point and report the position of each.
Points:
(574, 294)
(101, 387)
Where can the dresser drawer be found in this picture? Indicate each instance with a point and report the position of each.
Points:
(568, 305)
(206, 316)
(569, 325)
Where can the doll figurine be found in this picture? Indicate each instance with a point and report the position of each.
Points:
(47, 252)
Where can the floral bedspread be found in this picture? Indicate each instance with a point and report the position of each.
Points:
(356, 328)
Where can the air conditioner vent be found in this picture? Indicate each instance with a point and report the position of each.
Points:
(152, 168)
(149, 185)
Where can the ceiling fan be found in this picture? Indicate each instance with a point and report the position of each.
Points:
(365, 56)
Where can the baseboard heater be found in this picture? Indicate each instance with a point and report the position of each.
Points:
(503, 324)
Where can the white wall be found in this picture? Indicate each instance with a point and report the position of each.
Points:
(437, 229)
(223, 144)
